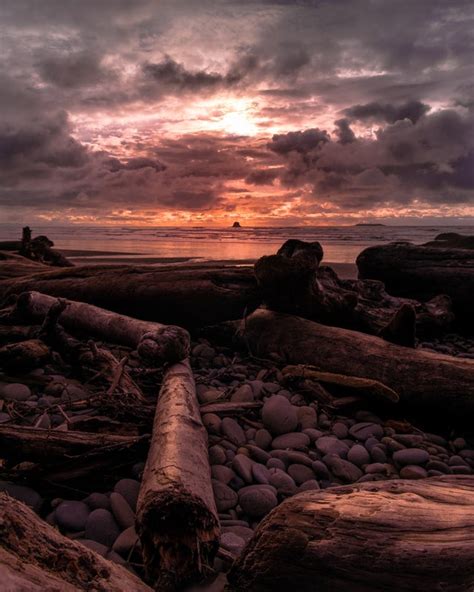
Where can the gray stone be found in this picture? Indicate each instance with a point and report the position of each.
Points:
(126, 541)
(358, 455)
(217, 455)
(72, 515)
(282, 482)
(313, 434)
(101, 527)
(263, 439)
(94, 546)
(243, 532)
(258, 454)
(343, 469)
(243, 394)
(212, 422)
(320, 469)
(340, 430)
(411, 440)
(456, 460)
(15, 392)
(121, 510)
(300, 473)
(309, 485)
(4, 417)
(294, 440)
(222, 473)
(260, 473)
(257, 501)
(331, 445)
(378, 454)
(72, 392)
(276, 463)
(225, 497)
(242, 465)
(292, 456)
(378, 467)
(411, 456)
(307, 417)
(271, 387)
(233, 431)
(364, 430)
(437, 465)
(22, 493)
(257, 386)
(232, 542)
(413, 472)
(129, 488)
(461, 470)
(279, 416)
(209, 395)
(97, 500)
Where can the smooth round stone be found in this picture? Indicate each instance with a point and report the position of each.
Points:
(232, 431)
(257, 500)
(279, 416)
(237, 483)
(202, 350)
(22, 493)
(71, 392)
(410, 440)
(358, 455)
(232, 542)
(295, 441)
(115, 557)
(392, 445)
(461, 470)
(413, 472)
(250, 434)
(15, 391)
(225, 497)
(437, 465)
(411, 456)
(97, 500)
(101, 527)
(320, 469)
(364, 430)
(210, 396)
(129, 488)
(313, 434)
(94, 546)
(242, 465)
(332, 445)
(263, 439)
(72, 515)
(307, 417)
(243, 532)
(378, 454)
(309, 485)
(433, 473)
(217, 455)
(212, 422)
(292, 457)
(459, 443)
(340, 430)
(276, 463)
(456, 460)
(282, 482)
(222, 473)
(243, 394)
(4, 418)
(126, 541)
(343, 469)
(121, 510)
(44, 422)
(258, 454)
(138, 469)
(256, 386)
(271, 387)
(260, 473)
(300, 473)
(377, 467)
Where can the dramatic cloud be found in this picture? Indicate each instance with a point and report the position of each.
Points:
(412, 110)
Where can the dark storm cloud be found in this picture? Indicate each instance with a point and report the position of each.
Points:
(72, 69)
(301, 141)
(411, 110)
(344, 131)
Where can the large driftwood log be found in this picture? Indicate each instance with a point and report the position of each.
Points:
(15, 266)
(423, 272)
(176, 515)
(155, 342)
(433, 384)
(186, 295)
(410, 536)
(35, 557)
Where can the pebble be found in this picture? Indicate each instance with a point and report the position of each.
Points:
(258, 454)
(212, 422)
(320, 469)
(313, 434)
(332, 445)
(129, 488)
(243, 532)
(126, 541)
(378, 454)
(232, 542)
(456, 460)
(233, 431)
(71, 392)
(222, 473)
(279, 416)
(101, 527)
(413, 472)
(4, 417)
(97, 500)
(263, 439)
(358, 455)
(217, 455)
(256, 386)
(300, 473)
(292, 456)
(22, 493)
(312, 484)
(410, 440)
(271, 387)
(94, 546)
(257, 500)
(72, 515)
(343, 469)
(461, 470)
(411, 456)
(364, 430)
(307, 417)
(378, 467)
(340, 430)
(294, 440)
(282, 482)
(242, 465)
(225, 496)
(122, 512)
(243, 394)
(15, 392)
(276, 463)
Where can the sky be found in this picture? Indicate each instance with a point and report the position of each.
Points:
(270, 112)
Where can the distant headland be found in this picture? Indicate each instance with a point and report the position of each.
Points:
(236, 225)
(370, 224)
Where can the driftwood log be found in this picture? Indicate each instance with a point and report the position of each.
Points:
(35, 557)
(427, 383)
(155, 342)
(293, 282)
(186, 295)
(176, 515)
(397, 536)
(16, 266)
(423, 272)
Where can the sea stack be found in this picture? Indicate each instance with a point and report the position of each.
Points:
(236, 225)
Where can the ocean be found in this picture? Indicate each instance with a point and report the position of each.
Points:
(341, 244)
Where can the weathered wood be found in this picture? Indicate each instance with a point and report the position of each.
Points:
(35, 557)
(157, 343)
(191, 295)
(15, 266)
(24, 355)
(176, 514)
(396, 536)
(423, 272)
(433, 384)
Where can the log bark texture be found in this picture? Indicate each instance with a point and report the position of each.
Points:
(155, 342)
(423, 272)
(433, 384)
(186, 295)
(35, 557)
(176, 514)
(396, 536)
